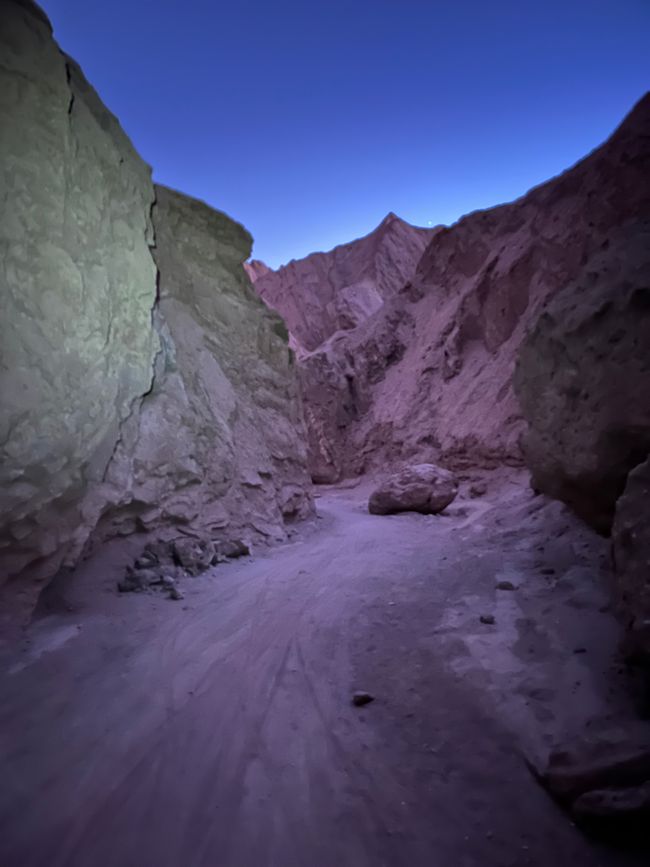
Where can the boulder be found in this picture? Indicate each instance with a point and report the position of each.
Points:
(423, 488)
(583, 380)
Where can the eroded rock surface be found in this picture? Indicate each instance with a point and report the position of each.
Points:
(145, 387)
(583, 380)
(427, 375)
(78, 286)
(216, 447)
(329, 292)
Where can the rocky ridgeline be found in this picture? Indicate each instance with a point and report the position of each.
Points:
(145, 388)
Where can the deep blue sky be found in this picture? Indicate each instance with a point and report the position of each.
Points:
(309, 121)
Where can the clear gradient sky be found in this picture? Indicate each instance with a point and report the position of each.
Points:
(309, 121)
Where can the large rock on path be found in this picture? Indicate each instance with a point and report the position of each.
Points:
(423, 488)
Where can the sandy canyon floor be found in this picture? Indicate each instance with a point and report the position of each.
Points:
(218, 731)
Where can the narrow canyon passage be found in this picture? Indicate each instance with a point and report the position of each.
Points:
(219, 730)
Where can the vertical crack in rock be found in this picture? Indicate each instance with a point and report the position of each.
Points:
(126, 408)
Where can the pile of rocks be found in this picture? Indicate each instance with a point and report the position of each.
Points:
(603, 780)
(161, 564)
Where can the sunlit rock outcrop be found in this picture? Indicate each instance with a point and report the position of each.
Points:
(215, 448)
(144, 387)
(78, 286)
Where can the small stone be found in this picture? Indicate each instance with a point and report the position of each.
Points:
(580, 650)
(175, 593)
(478, 489)
(613, 803)
(193, 555)
(359, 698)
(505, 585)
(487, 619)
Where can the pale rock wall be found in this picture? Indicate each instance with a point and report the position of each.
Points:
(216, 449)
(144, 387)
(78, 286)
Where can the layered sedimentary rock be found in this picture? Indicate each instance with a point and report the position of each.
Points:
(144, 387)
(427, 376)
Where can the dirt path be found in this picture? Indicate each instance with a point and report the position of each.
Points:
(218, 731)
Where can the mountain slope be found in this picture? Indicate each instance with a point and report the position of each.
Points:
(428, 373)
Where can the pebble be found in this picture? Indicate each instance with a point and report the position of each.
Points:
(488, 619)
(506, 585)
(359, 698)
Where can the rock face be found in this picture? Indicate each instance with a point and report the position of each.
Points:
(583, 380)
(145, 388)
(427, 374)
(631, 539)
(422, 488)
(216, 445)
(78, 287)
(331, 302)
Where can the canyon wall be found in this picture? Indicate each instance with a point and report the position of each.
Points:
(216, 448)
(583, 380)
(331, 303)
(144, 386)
(427, 375)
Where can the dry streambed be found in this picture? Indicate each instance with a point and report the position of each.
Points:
(222, 726)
